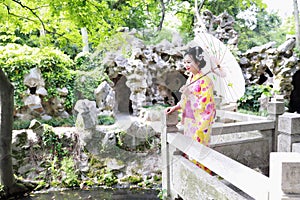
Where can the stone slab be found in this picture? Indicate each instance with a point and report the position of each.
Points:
(289, 123)
(284, 171)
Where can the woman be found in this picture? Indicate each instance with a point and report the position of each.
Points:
(197, 101)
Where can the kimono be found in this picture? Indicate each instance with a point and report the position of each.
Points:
(198, 109)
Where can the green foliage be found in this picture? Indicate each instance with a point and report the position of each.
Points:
(250, 100)
(57, 23)
(139, 14)
(184, 11)
(157, 37)
(259, 113)
(83, 61)
(53, 169)
(54, 122)
(86, 82)
(21, 124)
(265, 29)
(120, 137)
(69, 173)
(297, 51)
(186, 16)
(56, 70)
(102, 176)
(232, 7)
(53, 142)
(43, 23)
(60, 122)
(289, 26)
(106, 120)
(108, 178)
(133, 179)
(15, 61)
(162, 194)
(62, 173)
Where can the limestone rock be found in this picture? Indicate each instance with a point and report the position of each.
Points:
(86, 120)
(34, 78)
(105, 97)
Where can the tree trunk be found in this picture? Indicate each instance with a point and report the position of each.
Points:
(85, 40)
(296, 15)
(6, 121)
(11, 187)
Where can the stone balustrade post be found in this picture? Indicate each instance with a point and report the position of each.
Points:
(284, 176)
(289, 131)
(169, 125)
(275, 109)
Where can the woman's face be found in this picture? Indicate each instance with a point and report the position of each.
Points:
(190, 64)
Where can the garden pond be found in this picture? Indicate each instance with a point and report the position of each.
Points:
(96, 194)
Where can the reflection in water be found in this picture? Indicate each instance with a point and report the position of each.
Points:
(96, 194)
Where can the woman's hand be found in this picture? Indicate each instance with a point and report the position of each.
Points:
(169, 110)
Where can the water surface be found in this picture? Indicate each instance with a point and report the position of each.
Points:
(96, 194)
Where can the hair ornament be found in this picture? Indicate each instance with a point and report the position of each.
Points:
(199, 55)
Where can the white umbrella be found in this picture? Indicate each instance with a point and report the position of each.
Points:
(221, 67)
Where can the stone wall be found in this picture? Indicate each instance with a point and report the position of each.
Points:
(271, 65)
(153, 73)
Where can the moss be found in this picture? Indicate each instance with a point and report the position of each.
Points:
(108, 179)
(21, 124)
(133, 179)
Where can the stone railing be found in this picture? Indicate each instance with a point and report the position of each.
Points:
(240, 178)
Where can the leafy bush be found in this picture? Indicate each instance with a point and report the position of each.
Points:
(83, 61)
(250, 100)
(53, 142)
(16, 61)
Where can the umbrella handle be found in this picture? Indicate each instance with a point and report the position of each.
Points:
(220, 73)
(212, 70)
(187, 85)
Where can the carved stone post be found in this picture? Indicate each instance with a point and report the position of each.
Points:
(169, 125)
(285, 176)
(289, 131)
(275, 108)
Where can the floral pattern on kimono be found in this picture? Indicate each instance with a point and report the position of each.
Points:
(198, 110)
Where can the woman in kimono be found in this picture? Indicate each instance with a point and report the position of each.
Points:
(197, 101)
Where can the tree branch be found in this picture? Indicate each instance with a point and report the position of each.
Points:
(31, 10)
(10, 13)
(200, 6)
(163, 10)
(29, 19)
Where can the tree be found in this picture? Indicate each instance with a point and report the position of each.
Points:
(264, 29)
(11, 187)
(186, 11)
(59, 22)
(296, 15)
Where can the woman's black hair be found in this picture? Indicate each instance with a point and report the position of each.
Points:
(196, 53)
